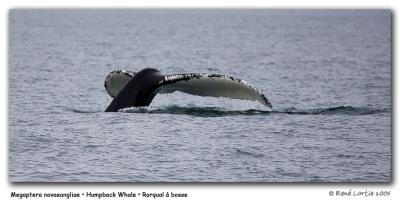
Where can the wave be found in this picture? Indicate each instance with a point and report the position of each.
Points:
(82, 110)
(341, 110)
(218, 112)
(247, 153)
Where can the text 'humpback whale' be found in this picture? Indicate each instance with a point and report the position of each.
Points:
(130, 89)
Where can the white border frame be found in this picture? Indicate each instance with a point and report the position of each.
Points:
(197, 192)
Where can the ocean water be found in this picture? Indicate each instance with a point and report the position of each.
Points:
(326, 72)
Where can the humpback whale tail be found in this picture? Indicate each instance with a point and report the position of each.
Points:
(130, 89)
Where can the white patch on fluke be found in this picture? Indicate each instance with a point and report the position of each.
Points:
(116, 80)
(211, 85)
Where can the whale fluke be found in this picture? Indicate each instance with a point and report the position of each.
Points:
(130, 89)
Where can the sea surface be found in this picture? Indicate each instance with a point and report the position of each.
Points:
(326, 72)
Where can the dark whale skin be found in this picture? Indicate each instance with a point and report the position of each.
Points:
(139, 91)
